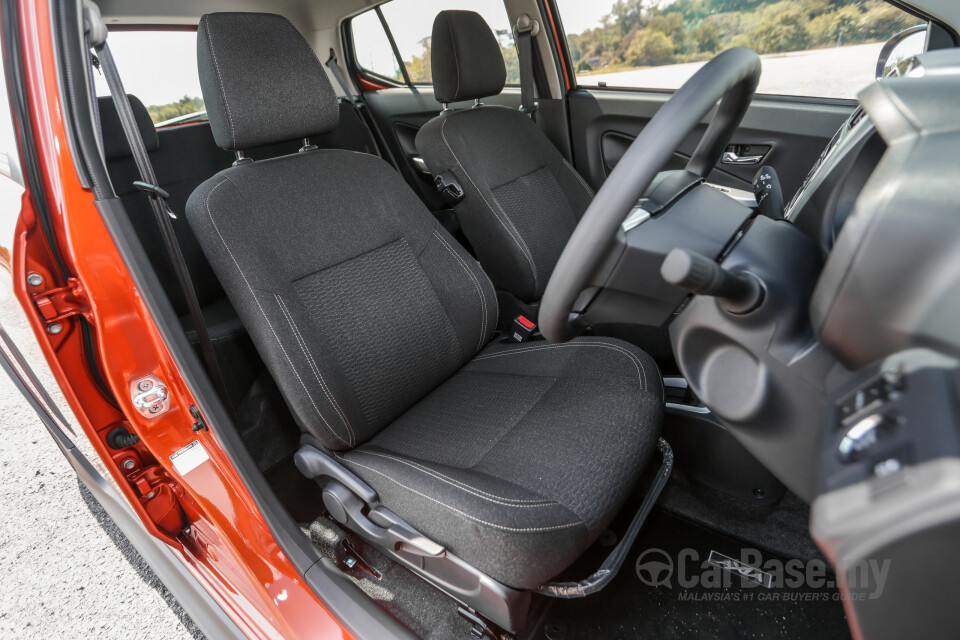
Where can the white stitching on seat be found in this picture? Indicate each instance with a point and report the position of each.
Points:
(637, 363)
(223, 91)
(265, 317)
(514, 235)
(314, 367)
(467, 515)
(463, 486)
(456, 59)
(579, 177)
(476, 283)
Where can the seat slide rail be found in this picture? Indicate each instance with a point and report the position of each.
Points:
(354, 504)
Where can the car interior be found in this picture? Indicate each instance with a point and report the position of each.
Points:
(481, 354)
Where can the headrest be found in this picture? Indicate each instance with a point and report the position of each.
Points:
(466, 58)
(261, 81)
(114, 141)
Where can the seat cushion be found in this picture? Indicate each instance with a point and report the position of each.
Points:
(521, 459)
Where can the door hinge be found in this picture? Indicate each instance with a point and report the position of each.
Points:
(58, 304)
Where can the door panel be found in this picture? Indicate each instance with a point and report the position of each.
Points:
(790, 135)
(400, 112)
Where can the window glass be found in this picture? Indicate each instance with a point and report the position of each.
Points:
(411, 25)
(825, 48)
(373, 49)
(160, 68)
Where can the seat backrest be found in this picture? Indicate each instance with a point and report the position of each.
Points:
(358, 301)
(522, 198)
(183, 156)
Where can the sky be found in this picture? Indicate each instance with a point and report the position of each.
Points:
(161, 66)
(158, 67)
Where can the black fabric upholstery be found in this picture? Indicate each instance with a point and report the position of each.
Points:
(183, 157)
(255, 91)
(370, 317)
(466, 58)
(359, 304)
(520, 460)
(114, 141)
(522, 198)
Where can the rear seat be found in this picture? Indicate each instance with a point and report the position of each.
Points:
(183, 157)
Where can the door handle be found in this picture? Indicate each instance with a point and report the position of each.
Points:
(732, 157)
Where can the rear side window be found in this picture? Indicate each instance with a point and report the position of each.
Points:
(410, 24)
(818, 48)
(160, 68)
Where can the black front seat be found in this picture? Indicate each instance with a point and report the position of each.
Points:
(522, 199)
(377, 328)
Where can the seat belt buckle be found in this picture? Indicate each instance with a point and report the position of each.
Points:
(449, 187)
(523, 329)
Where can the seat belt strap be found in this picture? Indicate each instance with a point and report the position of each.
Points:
(526, 29)
(162, 213)
(361, 110)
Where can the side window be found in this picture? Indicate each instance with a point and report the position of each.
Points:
(160, 68)
(411, 24)
(372, 47)
(818, 48)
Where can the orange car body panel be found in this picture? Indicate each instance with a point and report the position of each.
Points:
(228, 547)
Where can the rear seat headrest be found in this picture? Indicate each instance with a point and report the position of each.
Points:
(261, 81)
(114, 141)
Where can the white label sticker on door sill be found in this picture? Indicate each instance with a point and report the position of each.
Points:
(189, 458)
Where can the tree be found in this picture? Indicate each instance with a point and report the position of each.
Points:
(703, 38)
(781, 28)
(182, 107)
(649, 47)
(420, 67)
(671, 25)
(882, 20)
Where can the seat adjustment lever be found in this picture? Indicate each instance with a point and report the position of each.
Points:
(378, 525)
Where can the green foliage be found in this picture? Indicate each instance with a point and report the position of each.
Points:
(649, 47)
(652, 32)
(182, 107)
(780, 28)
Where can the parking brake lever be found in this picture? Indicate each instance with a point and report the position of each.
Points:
(739, 292)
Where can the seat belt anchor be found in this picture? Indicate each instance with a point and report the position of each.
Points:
(154, 191)
(151, 189)
(526, 24)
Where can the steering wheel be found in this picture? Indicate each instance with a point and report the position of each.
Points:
(730, 78)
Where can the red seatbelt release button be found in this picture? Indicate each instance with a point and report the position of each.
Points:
(523, 329)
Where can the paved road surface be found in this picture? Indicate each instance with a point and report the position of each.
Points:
(833, 73)
(65, 570)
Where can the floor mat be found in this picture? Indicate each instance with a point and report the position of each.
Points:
(781, 528)
(685, 593)
(426, 611)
